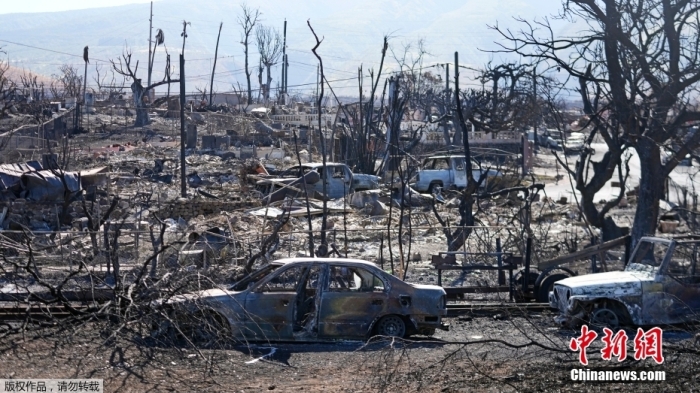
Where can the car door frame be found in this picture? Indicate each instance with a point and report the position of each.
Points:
(681, 293)
(270, 315)
(348, 314)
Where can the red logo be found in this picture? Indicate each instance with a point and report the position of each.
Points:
(646, 344)
(581, 344)
(614, 345)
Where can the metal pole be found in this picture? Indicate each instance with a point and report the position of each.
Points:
(150, 37)
(501, 273)
(526, 273)
(534, 105)
(284, 58)
(286, 72)
(213, 70)
(447, 77)
(183, 136)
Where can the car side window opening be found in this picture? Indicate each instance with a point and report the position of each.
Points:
(253, 278)
(337, 172)
(306, 300)
(650, 254)
(442, 164)
(683, 263)
(286, 281)
(353, 279)
(459, 163)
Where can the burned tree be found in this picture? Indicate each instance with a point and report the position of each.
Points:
(361, 122)
(8, 90)
(638, 73)
(269, 45)
(67, 83)
(247, 23)
(108, 87)
(140, 93)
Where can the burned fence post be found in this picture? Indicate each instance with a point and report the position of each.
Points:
(526, 272)
(501, 273)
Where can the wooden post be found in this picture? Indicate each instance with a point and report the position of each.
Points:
(501, 273)
(216, 53)
(183, 137)
(526, 273)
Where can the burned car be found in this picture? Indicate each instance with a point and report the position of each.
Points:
(660, 285)
(338, 178)
(312, 299)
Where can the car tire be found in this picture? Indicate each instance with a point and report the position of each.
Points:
(431, 187)
(604, 317)
(546, 286)
(391, 326)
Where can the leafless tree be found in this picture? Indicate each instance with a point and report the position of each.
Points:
(31, 86)
(638, 71)
(67, 83)
(269, 45)
(108, 83)
(123, 67)
(361, 122)
(247, 22)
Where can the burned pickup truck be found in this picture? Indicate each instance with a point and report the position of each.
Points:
(338, 178)
(449, 172)
(660, 285)
(308, 299)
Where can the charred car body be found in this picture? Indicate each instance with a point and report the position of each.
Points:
(338, 178)
(660, 285)
(448, 172)
(313, 299)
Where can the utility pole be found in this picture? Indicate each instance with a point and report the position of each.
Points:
(447, 77)
(216, 53)
(183, 136)
(184, 35)
(150, 36)
(87, 60)
(284, 60)
(286, 73)
(534, 105)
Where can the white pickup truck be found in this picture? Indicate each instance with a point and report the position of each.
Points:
(448, 172)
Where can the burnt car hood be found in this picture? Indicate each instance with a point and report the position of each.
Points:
(282, 180)
(203, 295)
(625, 279)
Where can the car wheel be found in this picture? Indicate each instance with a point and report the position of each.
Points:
(391, 326)
(605, 317)
(546, 286)
(432, 187)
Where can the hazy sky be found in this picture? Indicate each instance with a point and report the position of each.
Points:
(352, 34)
(11, 7)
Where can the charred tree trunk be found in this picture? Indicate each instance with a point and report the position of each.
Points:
(466, 204)
(140, 107)
(269, 83)
(650, 191)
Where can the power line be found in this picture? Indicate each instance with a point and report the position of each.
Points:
(50, 50)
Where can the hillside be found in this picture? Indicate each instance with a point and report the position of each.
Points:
(352, 35)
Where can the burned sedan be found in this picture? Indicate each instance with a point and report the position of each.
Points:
(660, 285)
(314, 299)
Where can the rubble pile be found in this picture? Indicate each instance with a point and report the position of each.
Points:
(240, 179)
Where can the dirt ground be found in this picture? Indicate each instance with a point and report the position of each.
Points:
(479, 353)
